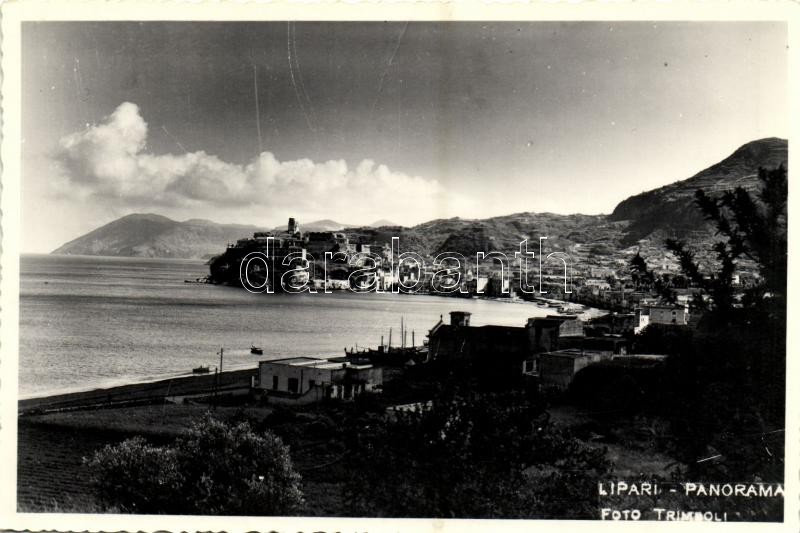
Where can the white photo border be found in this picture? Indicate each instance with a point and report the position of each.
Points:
(14, 13)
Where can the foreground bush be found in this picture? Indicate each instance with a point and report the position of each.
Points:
(215, 468)
(472, 455)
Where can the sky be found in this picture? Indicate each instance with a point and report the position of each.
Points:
(359, 121)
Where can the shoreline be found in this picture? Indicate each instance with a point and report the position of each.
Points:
(140, 392)
(115, 383)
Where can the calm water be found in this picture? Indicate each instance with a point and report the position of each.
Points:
(87, 322)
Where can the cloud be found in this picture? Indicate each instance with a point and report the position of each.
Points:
(108, 161)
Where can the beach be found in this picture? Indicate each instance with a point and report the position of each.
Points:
(176, 389)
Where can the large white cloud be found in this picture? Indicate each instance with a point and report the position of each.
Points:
(109, 161)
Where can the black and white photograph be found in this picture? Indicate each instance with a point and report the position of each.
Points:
(403, 268)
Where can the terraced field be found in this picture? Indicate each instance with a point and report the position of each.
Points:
(50, 474)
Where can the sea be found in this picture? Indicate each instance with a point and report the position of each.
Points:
(93, 322)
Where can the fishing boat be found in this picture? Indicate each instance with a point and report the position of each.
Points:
(388, 355)
(200, 370)
(255, 350)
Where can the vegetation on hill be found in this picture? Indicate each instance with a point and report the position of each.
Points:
(671, 208)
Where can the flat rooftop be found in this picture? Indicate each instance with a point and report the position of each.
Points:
(313, 362)
(295, 360)
(575, 353)
(644, 356)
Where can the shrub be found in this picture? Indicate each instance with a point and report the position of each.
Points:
(215, 468)
(618, 387)
(135, 476)
(232, 470)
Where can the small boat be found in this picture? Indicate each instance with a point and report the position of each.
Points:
(255, 350)
(200, 370)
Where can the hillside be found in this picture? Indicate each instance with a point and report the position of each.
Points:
(469, 236)
(382, 222)
(148, 235)
(671, 210)
(645, 219)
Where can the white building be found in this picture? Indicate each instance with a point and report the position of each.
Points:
(310, 379)
(677, 315)
(641, 319)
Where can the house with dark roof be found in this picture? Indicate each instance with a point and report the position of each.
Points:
(504, 349)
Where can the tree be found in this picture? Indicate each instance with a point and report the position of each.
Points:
(215, 468)
(729, 386)
(473, 455)
(640, 274)
(136, 476)
(645, 279)
(751, 227)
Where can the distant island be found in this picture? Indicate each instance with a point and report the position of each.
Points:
(643, 220)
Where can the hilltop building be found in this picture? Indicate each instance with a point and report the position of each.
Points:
(331, 272)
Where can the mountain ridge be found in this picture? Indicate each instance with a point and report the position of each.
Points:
(666, 210)
(671, 206)
(150, 235)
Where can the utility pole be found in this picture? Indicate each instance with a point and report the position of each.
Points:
(164, 408)
(218, 378)
(216, 385)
